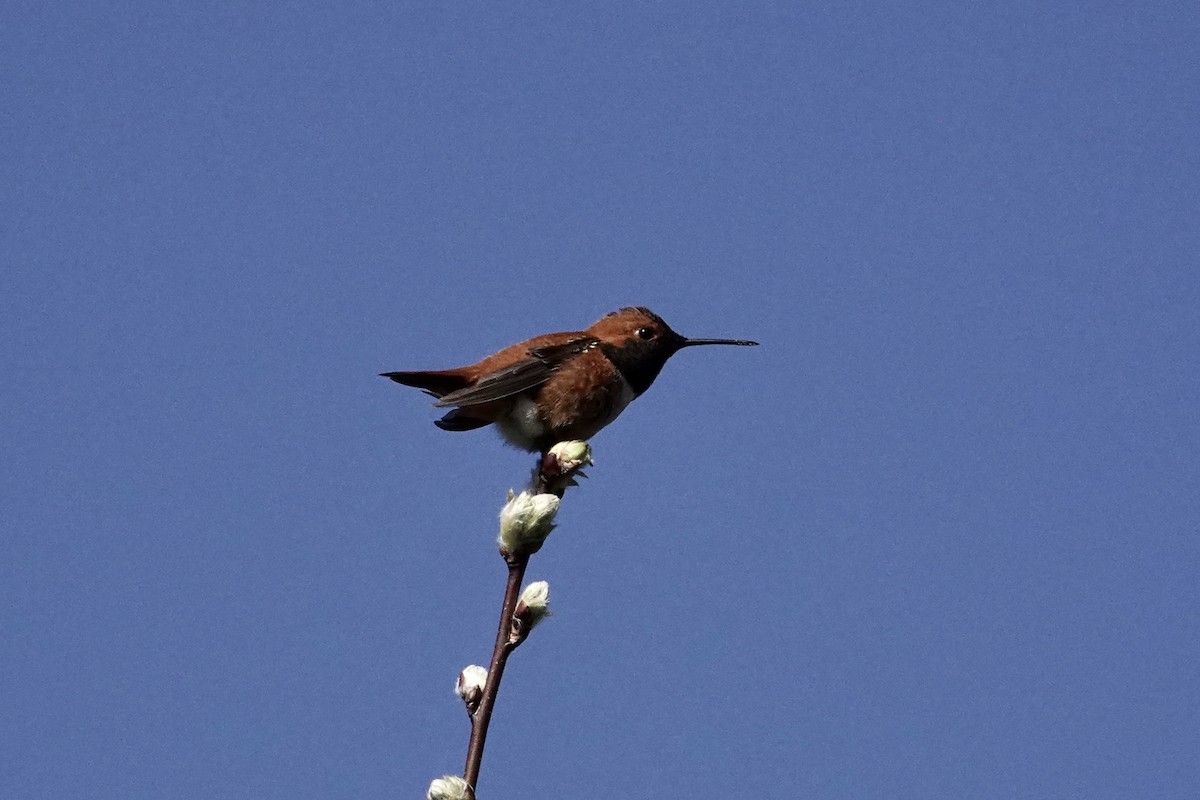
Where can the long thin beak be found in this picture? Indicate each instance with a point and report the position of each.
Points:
(738, 342)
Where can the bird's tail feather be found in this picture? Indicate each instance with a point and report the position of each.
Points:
(437, 383)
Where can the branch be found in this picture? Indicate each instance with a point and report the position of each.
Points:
(525, 522)
(505, 644)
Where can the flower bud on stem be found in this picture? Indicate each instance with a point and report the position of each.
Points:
(470, 685)
(560, 466)
(532, 608)
(449, 787)
(525, 522)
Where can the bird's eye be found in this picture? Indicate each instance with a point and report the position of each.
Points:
(645, 333)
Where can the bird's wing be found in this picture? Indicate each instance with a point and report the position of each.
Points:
(520, 377)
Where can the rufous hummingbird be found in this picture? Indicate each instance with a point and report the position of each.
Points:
(557, 386)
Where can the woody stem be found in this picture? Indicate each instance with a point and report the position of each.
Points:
(483, 715)
(547, 476)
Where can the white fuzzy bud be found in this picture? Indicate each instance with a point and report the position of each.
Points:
(535, 601)
(532, 607)
(469, 685)
(525, 522)
(448, 787)
(572, 455)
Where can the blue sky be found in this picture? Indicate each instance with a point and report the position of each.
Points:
(935, 538)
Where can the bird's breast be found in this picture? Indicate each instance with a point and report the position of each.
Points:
(620, 397)
(522, 426)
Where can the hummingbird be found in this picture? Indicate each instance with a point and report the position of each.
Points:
(557, 386)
